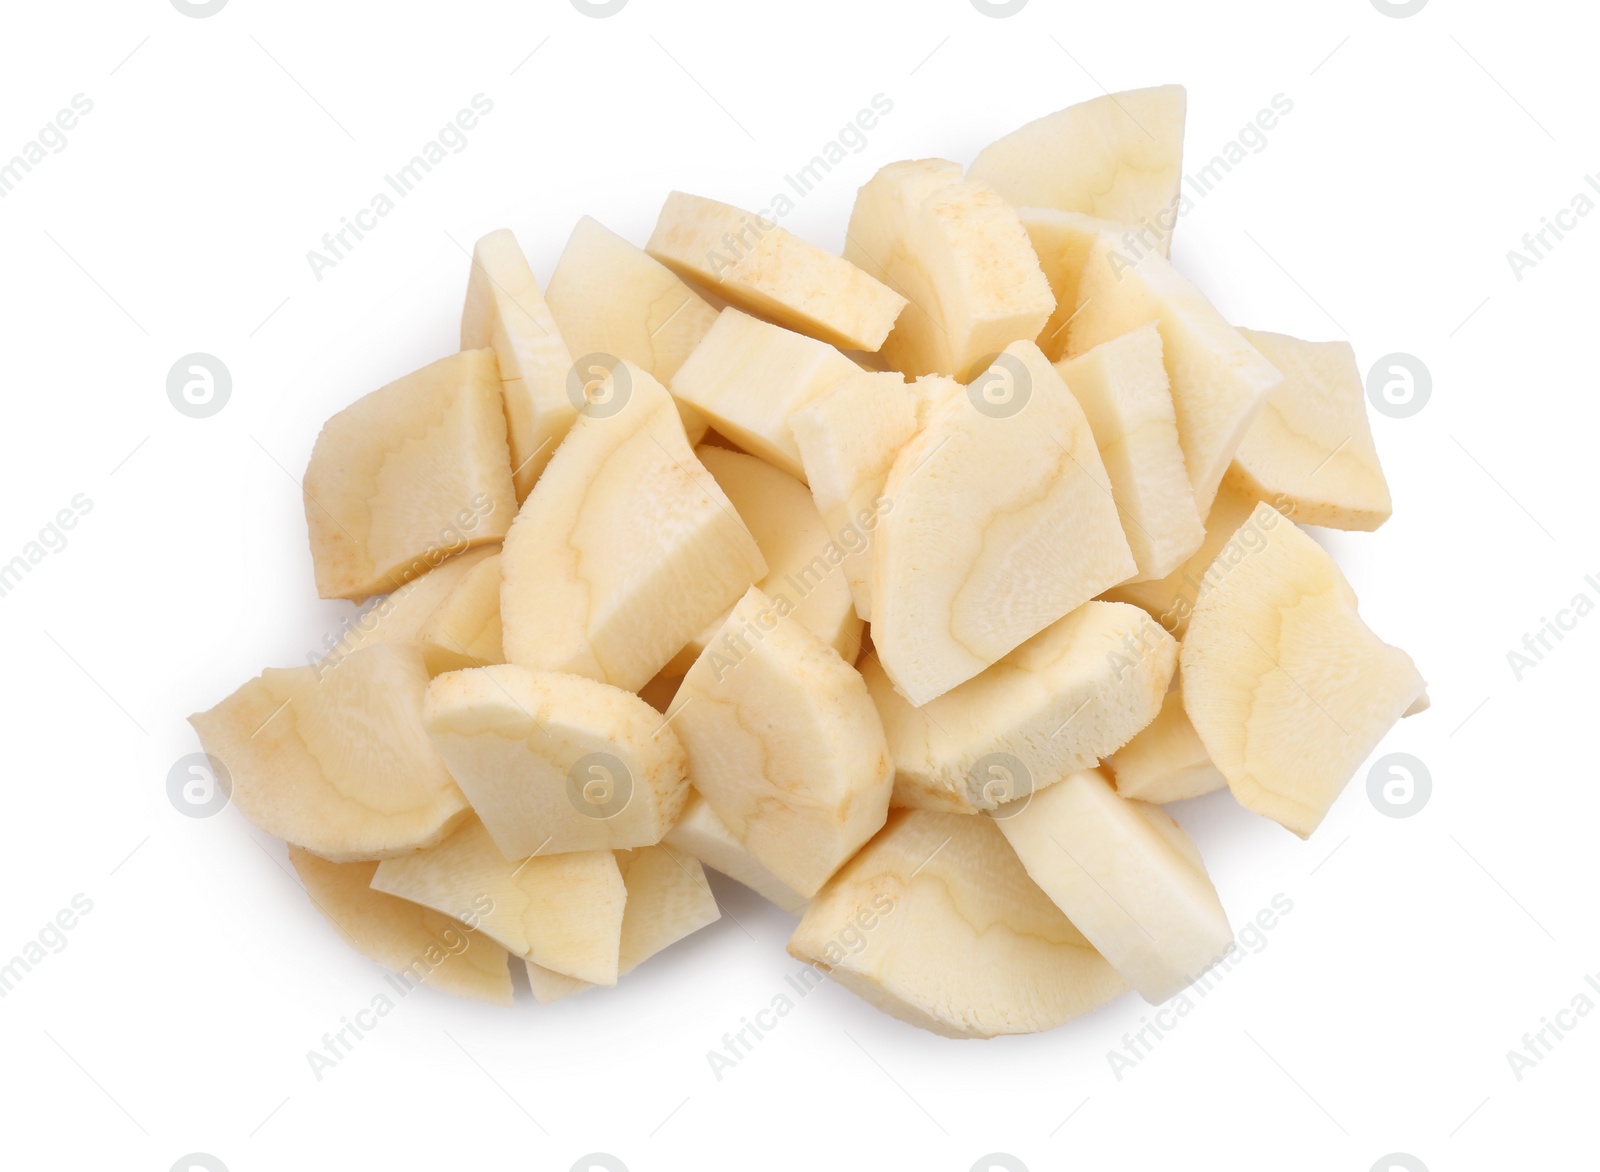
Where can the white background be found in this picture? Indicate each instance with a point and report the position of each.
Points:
(178, 1015)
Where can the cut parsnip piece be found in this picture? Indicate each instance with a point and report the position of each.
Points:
(1312, 443)
(1166, 762)
(928, 392)
(848, 438)
(1075, 692)
(625, 549)
(402, 615)
(334, 758)
(766, 269)
(1127, 876)
(1171, 600)
(935, 922)
(970, 563)
(1062, 242)
(1123, 390)
(1119, 157)
(563, 912)
(1219, 381)
(466, 622)
(700, 834)
(556, 763)
(785, 744)
(1287, 687)
(961, 256)
(506, 312)
(668, 898)
(408, 475)
(749, 377)
(419, 944)
(549, 987)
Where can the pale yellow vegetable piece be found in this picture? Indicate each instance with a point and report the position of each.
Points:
(1312, 443)
(749, 377)
(785, 744)
(1127, 876)
(506, 312)
(928, 391)
(668, 899)
(1075, 692)
(422, 946)
(467, 622)
(556, 763)
(1289, 690)
(1002, 522)
(935, 922)
(339, 765)
(626, 549)
(1123, 390)
(1219, 381)
(563, 912)
(766, 269)
(700, 834)
(1166, 762)
(1062, 241)
(402, 615)
(548, 986)
(1118, 156)
(408, 475)
(956, 249)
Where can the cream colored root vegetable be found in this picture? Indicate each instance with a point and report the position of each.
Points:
(1002, 522)
(402, 615)
(700, 834)
(505, 311)
(626, 548)
(1289, 690)
(467, 622)
(1119, 157)
(768, 270)
(935, 922)
(1312, 444)
(408, 475)
(338, 765)
(1075, 692)
(556, 763)
(1062, 241)
(420, 945)
(562, 912)
(785, 744)
(1166, 762)
(668, 899)
(1126, 875)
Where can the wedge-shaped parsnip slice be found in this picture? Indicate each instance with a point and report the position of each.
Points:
(1123, 390)
(408, 475)
(1119, 157)
(928, 392)
(1171, 600)
(1166, 762)
(625, 549)
(1312, 444)
(419, 944)
(749, 377)
(668, 899)
(960, 255)
(848, 438)
(700, 834)
(563, 912)
(1287, 687)
(935, 922)
(555, 763)
(969, 563)
(467, 622)
(506, 312)
(1126, 875)
(766, 269)
(613, 299)
(334, 758)
(784, 743)
(1062, 242)
(1075, 692)
(549, 986)
(1219, 381)
(402, 615)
